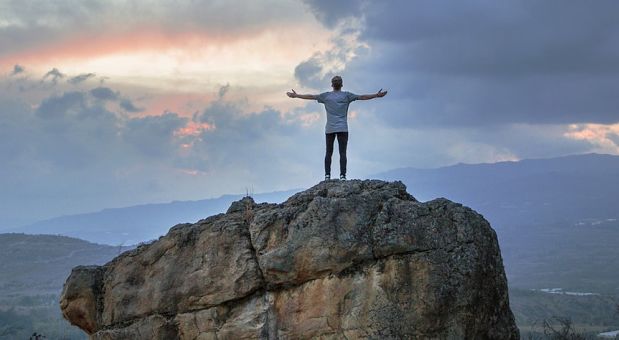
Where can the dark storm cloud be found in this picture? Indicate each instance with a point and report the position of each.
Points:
(223, 90)
(308, 73)
(107, 94)
(72, 151)
(331, 12)
(18, 79)
(497, 39)
(54, 75)
(487, 62)
(316, 71)
(81, 78)
(61, 106)
(73, 130)
(104, 93)
(17, 69)
(153, 135)
(228, 119)
(26, 27)
(238, 140)
(127, 105)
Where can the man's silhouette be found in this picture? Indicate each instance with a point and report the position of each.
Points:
(336, 104)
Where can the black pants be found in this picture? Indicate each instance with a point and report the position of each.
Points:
(342, 141)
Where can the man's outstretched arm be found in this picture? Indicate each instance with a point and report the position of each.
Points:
(378, 94)
(293, 94)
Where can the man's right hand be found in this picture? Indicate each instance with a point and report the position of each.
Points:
(293, 94)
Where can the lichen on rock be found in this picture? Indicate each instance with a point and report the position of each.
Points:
(341, 260)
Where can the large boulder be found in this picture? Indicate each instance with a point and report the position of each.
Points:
(341, 260)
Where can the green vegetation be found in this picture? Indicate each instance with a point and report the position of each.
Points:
(33, 269)
(538, 312)
(22, 316)
(579, 256)
(39, 264)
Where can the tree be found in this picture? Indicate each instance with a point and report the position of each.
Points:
(563, 331)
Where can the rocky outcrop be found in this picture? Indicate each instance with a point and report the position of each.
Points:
(341, 260)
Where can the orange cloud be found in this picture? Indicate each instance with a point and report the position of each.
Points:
(600, 135)
(193, 129)
(84, 47)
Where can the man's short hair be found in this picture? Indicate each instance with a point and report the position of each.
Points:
(336, 81)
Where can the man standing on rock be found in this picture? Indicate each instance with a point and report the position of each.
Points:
(336, 104)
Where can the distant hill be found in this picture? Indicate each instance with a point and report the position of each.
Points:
(39, 264)
(530, 191)
(527, 192)
(140, 223)
(33, 269)
(590, 314)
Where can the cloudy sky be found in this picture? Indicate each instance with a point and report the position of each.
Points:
(113, 103)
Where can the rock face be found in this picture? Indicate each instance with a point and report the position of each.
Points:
(341, 260)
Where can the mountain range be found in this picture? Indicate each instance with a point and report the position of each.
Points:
(140, 223)
(570, 189)
(531, 191)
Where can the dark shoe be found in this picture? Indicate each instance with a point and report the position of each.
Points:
(327, 177)
(342, 177)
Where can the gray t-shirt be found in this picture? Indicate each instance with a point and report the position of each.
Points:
(336, 104)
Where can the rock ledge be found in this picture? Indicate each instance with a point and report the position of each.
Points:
(341, 260)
